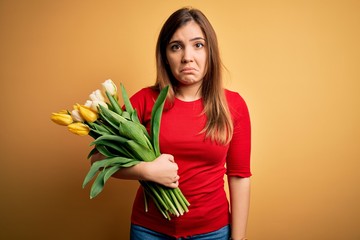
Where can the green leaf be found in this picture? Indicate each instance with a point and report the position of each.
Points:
(104, 151)
(98, 185)
(132, 130)
(155, 121)
(92, 152)
(118, 139)
(112, 118)
(121, 161)
(110, 129)
(134, 117)
(93, 170)
(140, 152)
(114, 103)
(115, 149)
(115, 167)
(129, 108)
(110, 171)
(126, 115)
(100, 128)
(130, 164)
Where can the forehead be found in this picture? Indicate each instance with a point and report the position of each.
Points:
(188, 31)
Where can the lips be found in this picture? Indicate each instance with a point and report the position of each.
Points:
(187, 69)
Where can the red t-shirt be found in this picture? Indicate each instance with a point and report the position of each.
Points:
(201, 164)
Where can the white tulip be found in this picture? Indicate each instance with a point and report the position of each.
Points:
(97, 96)
(76, 116)
(110, 87)
(93, 105)
(88, 103)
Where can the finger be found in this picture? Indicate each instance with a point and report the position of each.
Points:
(176, 166)
(174, 184)
(171, 158)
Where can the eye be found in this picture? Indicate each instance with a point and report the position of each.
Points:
(199, 45)
(175, 47)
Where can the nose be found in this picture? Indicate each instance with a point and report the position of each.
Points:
(187, 55)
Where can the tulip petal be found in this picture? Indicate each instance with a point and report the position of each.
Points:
(88, 114)
(61, 118)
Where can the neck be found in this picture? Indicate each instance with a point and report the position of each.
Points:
(188, 93)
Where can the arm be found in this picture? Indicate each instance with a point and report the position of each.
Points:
(239, 205)
(162, 170)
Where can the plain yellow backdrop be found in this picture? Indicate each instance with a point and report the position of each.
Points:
(296, 63)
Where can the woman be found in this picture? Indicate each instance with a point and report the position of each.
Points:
(203, 128)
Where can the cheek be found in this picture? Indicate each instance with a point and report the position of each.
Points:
(203, 59)
(172, 64)
(204, 64)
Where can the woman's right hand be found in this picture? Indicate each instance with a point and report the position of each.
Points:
(162, 170)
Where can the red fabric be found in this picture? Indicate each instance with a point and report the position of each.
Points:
(201, 164)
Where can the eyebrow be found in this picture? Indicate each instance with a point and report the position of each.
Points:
(191, 40)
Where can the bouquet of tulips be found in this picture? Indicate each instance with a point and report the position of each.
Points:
(123, 141)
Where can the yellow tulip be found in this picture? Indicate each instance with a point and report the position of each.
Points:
(79, 128)
(61, 118)
(87, 114)
(64, 111)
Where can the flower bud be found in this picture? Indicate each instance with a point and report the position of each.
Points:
(61, 118)
(97, 96)
(79, 128)
(87, 114)
(88, 103)
(110, 87)
(76, 116)
(93, 105)
(64, 111)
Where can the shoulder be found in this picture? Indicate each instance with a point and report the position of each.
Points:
(144, 96)
(143, 101)
(234, 98)
(145, 93)
(236, 102)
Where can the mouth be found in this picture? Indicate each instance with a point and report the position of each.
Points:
(187, 70)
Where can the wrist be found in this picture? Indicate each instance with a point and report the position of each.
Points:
(142, 171)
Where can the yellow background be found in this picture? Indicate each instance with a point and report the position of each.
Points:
(295, 62)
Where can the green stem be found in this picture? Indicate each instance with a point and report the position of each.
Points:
(177, 204)
(167, 199)
(155, 194)
(182, 196)
(181, 200)
(145, 202)
(163, 212)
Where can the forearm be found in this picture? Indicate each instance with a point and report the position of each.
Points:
(239, 205)
(162, 170)
(136, 172)
(132, 173)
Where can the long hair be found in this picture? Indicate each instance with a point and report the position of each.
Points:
(219, 127)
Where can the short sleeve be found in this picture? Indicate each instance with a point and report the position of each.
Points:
(238, 157)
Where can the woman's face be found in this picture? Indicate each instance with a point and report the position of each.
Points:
(187, 54)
